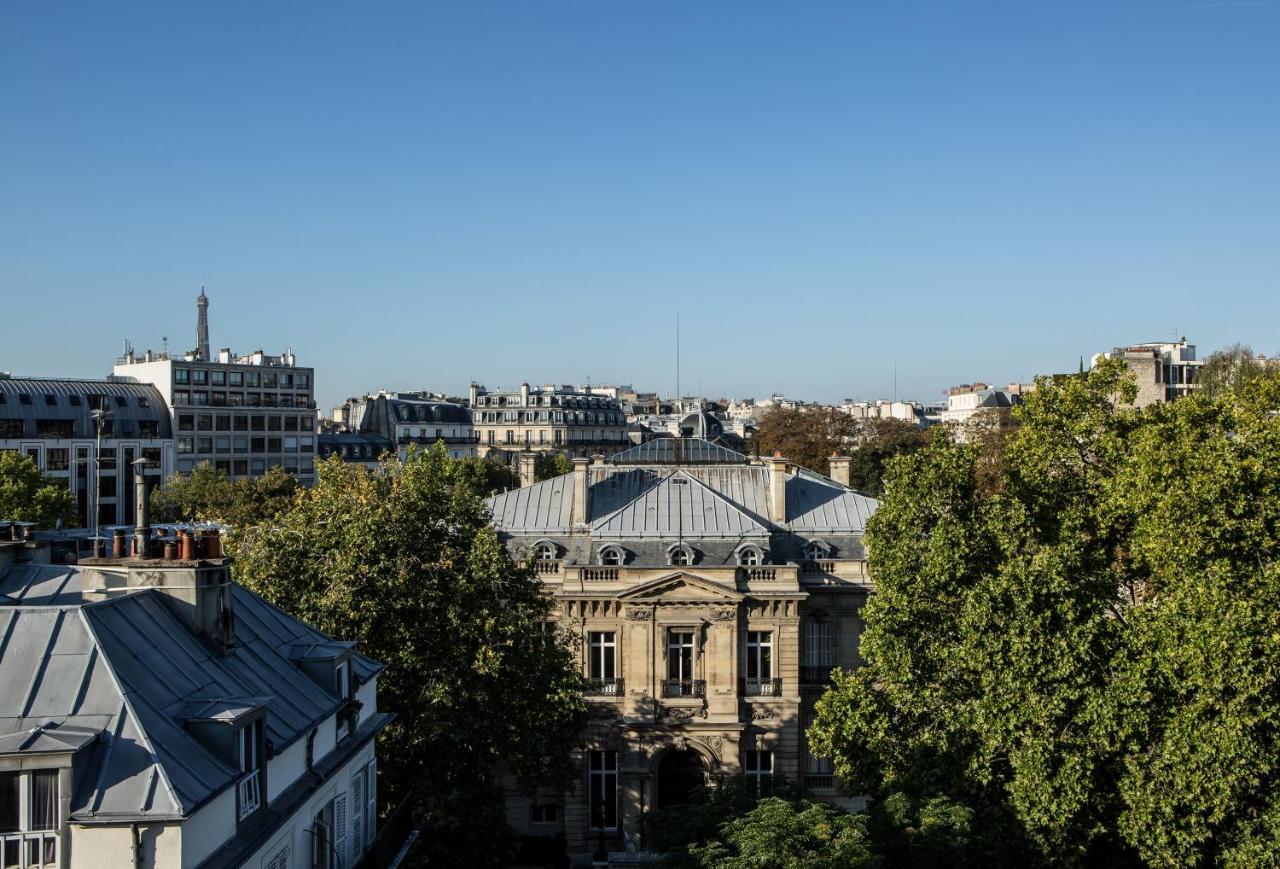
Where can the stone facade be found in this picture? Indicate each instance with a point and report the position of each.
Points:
(709, 598)
(577, 422)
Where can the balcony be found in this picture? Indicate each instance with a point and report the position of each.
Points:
(761, 687)
(431, 439)
(544, 568)
(822, 781)
(816, 674)
(823, 566)
(31, 850)
(599, 574)
(758, 574)
(684, 688)
(603, 687)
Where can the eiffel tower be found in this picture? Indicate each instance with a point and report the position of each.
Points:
(202, 328)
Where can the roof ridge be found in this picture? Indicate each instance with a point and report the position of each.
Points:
(658, 481)
(721, 496)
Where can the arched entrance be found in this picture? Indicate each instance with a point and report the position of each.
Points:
(679, 773)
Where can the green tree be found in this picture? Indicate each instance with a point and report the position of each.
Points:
(1084, 657)
(1230, 367)
(486, 476)
(404, 561)
(209, 495)
(880, 440)
(783, 834)
(551, 464)
(807, 436)
(26, 495)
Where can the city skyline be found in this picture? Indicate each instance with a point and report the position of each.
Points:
(429, 196)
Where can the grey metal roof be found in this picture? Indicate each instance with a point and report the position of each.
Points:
(129, 404)
(815, 503)
(544, 506)
(130, 670)
(684, 451)
(677, 505)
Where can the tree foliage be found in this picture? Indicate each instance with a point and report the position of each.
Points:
(26, 495)
(550, 464)
(1232, 367)
(1084, 657)
(486, 476)
(808, 436)
(404, 561)
(779, 834)
(209, 495)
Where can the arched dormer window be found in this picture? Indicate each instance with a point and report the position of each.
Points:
(612, 555)
(545, 550)
(680, 555)
(815, 550)
(750, 556)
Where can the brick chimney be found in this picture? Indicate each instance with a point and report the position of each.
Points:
(527, 460)
(841, 468)
(580, 505)
(141, 507)
(777, 488)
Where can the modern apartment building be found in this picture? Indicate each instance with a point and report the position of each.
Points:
(1165, 371)
(242, 414)
(574, 421)
(88, 433)
(710, 597)
(157, 714)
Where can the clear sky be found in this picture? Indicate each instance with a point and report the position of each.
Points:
(417, 195)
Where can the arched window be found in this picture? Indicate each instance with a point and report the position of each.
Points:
(680, 555)
(750, 556)
(546, 551)
(816, 549)
(611, 555)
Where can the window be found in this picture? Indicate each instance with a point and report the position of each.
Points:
(280, 860)
(343, 686)
(222, 423)
(322, 845)
(54, 428)
(750, 556)
(249, 788)
(816, 549)
(51, 399)
(602, 773)
(611, 555)
(235, 378)
(819, 772)
(603, 656)
(759, 661)
(546, 552)
(680, 555)
(181, 375)
(218, 377)
(759, 768)
(680, 660)
(29, 817)
(57, 459)
(186, 422)
(819, 648)
(544, 813)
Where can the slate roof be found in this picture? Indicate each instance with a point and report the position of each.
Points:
(678, 505)
(684, 451)
(129, 670)
(53, 399)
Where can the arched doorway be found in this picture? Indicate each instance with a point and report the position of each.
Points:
(679, 773)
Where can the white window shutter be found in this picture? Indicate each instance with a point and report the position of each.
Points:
(357, 812)
(371, 806)
(340, 831)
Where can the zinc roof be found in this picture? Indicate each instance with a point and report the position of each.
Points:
(676, 505)
(677, 451)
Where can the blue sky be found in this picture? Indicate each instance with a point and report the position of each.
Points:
(416, 195)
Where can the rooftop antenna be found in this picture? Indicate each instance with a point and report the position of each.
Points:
(677, 361)
(165, 339)
(895, 381)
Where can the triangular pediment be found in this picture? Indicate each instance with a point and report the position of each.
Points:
(682, 586)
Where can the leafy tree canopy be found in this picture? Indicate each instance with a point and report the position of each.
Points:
(1082, 659)
(551, 464)
(26, 495)
(404, 561)
(209, 495)
(486, 476)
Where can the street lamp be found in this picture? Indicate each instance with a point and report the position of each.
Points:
(99, 415)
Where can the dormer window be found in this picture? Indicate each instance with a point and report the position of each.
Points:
(750, 556)
(611, 555)
(249, 788)
(816, 549)
(546, 551)
(29, 818)
(680, 555)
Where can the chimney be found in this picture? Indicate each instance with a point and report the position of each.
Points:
(473, 393)
(527, 460)
(524, 394)
(841, 467)
(141, 507)
(580, 505)
(777, 489)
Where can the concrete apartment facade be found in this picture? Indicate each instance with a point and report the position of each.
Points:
(710, 597)
(154, 713)
(409, 419)
(1165, 371)
(88, 433)
(577, 422)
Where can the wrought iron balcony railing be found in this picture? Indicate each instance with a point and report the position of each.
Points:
(761, 687)
(684, 688)
(603, 687)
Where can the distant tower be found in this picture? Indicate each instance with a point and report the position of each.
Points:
(202, 328)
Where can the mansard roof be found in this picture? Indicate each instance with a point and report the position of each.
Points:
(681, 451)
(675, 505)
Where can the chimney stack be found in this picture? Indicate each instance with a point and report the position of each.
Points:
(580, 514)
(141, 507)
(777, 488)
(841, 468)
(527, 459)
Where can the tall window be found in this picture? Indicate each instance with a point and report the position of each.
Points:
(679, 655)
(603, 655)
(759, 655)
(819, 648)
(819, 772)
(602, 772)
(249, 788)
(322, 845)
(759, 768)
(29, 818)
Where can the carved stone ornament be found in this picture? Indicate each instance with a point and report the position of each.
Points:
(638, 615)
(683, 713)
(763, 713)
(148, 577)
(724, 615)
(717, 745)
